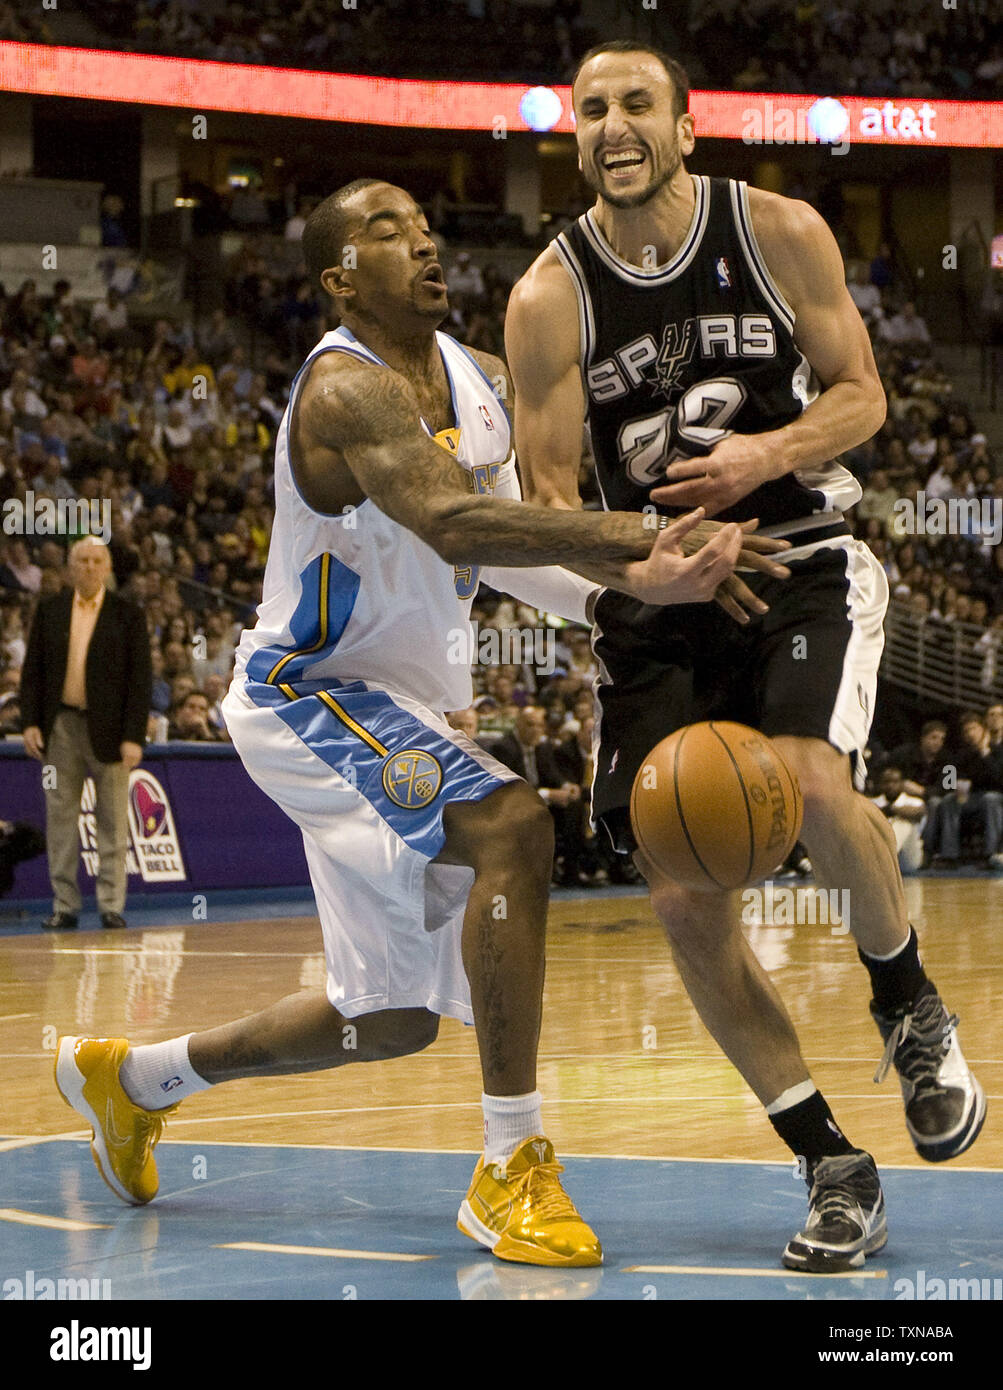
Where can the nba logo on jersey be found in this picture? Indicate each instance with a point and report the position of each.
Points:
(486, 417)
(723, 273)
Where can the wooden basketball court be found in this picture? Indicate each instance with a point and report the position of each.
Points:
(626, 1070)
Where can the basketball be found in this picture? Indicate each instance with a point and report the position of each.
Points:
(714, 806)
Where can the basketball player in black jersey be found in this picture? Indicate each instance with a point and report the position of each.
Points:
(706, 331)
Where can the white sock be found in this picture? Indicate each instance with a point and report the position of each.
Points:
(891, 954)
(508, 1121)
(794, 1095)
(160, 1074)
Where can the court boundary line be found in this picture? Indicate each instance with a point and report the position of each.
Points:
(747, 1272)
(25, 1141)
(429, 1055)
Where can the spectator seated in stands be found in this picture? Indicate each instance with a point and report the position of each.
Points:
(994, 726)
(922, 766)
(466, 721)
(19, 841)
(496, 708)
(866, 296)
(110, 318)
(878, 501)
(191, 720)
(530, 755)
(905, 329)
(160, 699)
(589, 858)
(17, 571)
(464, 279)
(976, 803)
(906, 815)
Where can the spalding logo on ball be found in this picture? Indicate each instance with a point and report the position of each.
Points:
(714, 806)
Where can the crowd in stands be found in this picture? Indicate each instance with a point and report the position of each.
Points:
(173, 422)
(23, 25)
(518, 39)
(929, 451)
(887, 48)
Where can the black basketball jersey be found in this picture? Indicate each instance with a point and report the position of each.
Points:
(676, 356)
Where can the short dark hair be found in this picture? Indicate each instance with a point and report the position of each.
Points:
(679, 75)
(324, 229)
(932, 724)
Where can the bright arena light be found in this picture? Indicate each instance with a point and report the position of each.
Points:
(829, 119)
(541, 108)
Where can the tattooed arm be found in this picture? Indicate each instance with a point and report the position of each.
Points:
(366, 419)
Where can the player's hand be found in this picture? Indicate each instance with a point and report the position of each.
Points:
(732, 469)
(668, 575)
(755, 552)
(34, 744)
(735, 597)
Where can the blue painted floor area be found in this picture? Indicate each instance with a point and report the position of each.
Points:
(711, 1217)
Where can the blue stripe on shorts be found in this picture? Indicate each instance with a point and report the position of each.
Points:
(410, 783)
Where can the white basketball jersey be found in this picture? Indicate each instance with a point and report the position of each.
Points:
(358, 597)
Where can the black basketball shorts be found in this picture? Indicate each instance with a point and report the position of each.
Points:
(807, 668)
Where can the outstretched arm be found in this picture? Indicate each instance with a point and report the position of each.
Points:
(369, 416)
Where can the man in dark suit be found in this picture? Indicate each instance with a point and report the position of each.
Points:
(85, 697)
(531, 755)
(528, 752)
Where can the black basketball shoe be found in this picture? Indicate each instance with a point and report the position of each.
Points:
(846, 1216)
(945, 1107)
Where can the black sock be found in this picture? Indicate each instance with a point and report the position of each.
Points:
(896, 983)
(810, 1131)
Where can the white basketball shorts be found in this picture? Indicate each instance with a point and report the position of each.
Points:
(366, 776)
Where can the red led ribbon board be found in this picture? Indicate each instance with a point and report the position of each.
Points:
(198, 85)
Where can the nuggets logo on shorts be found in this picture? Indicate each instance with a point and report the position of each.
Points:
(412, 779)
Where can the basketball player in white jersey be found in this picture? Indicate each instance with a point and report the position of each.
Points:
(706, 331)
(394, 482)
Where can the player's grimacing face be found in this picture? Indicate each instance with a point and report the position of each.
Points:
(396, 261)
(629, 141)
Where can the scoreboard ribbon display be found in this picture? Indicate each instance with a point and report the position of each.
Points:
(500, 107)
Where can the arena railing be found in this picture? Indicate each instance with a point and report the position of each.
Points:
(951, 663)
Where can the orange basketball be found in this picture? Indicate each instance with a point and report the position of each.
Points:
(714, 806)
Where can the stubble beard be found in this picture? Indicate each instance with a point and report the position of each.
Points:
(638, 200)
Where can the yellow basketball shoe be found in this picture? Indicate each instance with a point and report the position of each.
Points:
(124, 1134)
(522, 1213)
